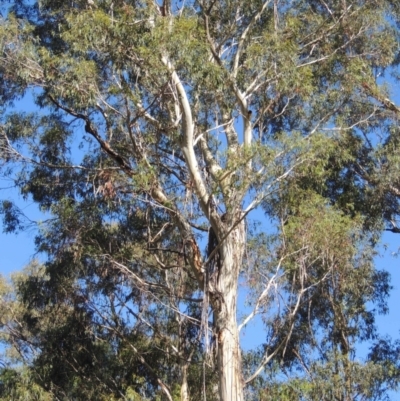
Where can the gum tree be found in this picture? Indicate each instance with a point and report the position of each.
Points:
(189, 116)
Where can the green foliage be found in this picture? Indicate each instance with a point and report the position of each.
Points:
(154, 123)
(366, 383)
(11, 217)
(19, 386)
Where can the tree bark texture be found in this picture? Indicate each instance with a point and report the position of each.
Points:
(223, 295)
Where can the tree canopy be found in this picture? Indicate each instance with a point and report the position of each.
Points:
(186, 152)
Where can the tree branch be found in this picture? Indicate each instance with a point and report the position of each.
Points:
(124, 165)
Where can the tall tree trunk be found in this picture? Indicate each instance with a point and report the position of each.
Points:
(184, 382)
(223, 299)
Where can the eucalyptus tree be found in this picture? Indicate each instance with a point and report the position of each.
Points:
(190, 115)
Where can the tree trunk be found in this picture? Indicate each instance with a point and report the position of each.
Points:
(223, 300)
(184, 383)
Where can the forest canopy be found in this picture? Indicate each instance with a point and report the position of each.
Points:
(188, 154)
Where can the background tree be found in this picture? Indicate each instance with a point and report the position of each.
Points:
(161, 127)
